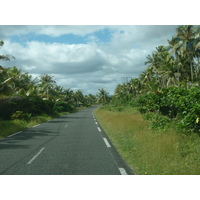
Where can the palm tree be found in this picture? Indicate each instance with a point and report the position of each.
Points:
(4, 79)
(68, 95)
(91, 99)
(46, 84)
(185, 44)
(134, 86)
(154, 65)
(79, 97)
(5, 82)
(147, 78)
(103, 96)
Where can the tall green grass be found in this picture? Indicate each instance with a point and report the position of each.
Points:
(147, 151)
(12, 126)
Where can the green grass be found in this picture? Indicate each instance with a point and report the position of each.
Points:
(147, 151)
(12, 126)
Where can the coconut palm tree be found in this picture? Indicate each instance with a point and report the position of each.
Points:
(185, 44)
(103, 96)
(79, 97)
(147, 78)
(46, 83)
(5, 80)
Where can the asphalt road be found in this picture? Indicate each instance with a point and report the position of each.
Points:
(74, 144)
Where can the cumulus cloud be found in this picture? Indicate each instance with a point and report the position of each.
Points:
(88, 66)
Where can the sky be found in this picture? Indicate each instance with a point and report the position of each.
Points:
(85, 57)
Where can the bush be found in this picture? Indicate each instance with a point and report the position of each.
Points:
(62, 107)
(158, 121)
(21, 115)
(143, 109)
(33, 105)
(180, 104)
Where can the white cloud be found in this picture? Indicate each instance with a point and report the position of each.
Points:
(86, 66)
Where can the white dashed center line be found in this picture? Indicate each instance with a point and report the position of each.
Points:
(28, 163)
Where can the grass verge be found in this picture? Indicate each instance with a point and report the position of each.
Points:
(12, 126)
(147, 151)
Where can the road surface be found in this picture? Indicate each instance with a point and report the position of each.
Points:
(73, 144)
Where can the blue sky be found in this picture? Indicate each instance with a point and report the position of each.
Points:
(102, 36)
(83, 57)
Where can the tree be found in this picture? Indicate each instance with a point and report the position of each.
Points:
(5, 82)
(185, 46)
(103, 96)
(4, 78)
(46, 83)
(79, 97)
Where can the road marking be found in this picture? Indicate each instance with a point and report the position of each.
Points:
(14, 134)
(96, 123)
(122, 171)
(36, 125)
(107, 143)
(66, 126)
(28, 163)
(99, 129)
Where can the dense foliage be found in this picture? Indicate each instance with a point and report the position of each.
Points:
(169, 89)
(180, 104)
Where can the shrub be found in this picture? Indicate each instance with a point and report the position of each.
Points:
(158, 121)
(143, 109)
(180, 104)
(32, 104)
(62, 107)
(21, 115)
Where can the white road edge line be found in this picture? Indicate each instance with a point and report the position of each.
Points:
(107, 143)
(36, 125)
(99, 129)
(122, 171)
(96, 123)
(14, 134)
(28, 163)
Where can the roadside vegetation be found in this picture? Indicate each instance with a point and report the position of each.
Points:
(148, 151)
(26, 101)
(154, 120)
